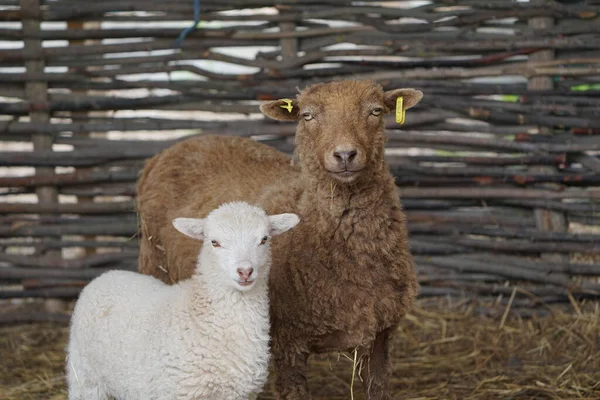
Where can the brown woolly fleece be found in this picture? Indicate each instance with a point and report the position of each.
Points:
(343, 278)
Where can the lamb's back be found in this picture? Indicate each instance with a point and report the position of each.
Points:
(117, 326)
(122, 293)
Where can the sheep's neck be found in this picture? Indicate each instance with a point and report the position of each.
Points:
(335, 197)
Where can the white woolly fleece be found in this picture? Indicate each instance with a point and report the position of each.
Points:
(135, 338)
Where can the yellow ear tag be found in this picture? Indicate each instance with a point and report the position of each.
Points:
(288, 104)
(400, 111)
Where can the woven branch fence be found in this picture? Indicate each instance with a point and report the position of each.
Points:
(498, 165)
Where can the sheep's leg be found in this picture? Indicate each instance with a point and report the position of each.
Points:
(376, 367)
(291, 370)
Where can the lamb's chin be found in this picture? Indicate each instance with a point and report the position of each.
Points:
(244, 286)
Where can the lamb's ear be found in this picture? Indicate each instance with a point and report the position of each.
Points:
(281, 110)
(192, 227)
(282, 222)
(410, 98)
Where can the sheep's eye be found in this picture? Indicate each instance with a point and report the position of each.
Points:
(215, 243)
(264, 240)
(307, 116)
(376, 112)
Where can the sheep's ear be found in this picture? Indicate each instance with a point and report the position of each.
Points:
(410, 98)
(281, 110)
(282, 222)
(192, 227)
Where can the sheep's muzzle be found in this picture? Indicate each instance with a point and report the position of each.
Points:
(345, 163)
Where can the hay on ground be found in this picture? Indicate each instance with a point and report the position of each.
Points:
(441, 351)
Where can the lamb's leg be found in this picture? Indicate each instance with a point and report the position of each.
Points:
(376, 367)
(88, 393)
(291, 369)
(81, 386)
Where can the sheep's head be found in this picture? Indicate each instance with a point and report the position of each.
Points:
(340, 126)
(237, 239)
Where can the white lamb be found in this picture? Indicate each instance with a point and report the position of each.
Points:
(135, 338)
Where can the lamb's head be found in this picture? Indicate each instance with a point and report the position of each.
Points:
(340, 126)
(236, 241)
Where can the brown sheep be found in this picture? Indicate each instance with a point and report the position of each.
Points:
(344, 277)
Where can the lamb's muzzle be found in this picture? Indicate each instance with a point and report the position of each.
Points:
(245, 274)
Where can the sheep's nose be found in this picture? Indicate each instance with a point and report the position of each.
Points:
(245, 273)
(345, 157)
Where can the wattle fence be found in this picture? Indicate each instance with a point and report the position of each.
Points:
(498, 166)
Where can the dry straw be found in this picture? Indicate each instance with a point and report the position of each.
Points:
(440, 351)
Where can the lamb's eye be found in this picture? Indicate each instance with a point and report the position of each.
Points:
(307, 116)
(376, 112)
(264, 240)
(215, 243)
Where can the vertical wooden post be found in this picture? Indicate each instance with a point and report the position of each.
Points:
(546, 220)
(82, 199)
(37, 93)
(289, 46)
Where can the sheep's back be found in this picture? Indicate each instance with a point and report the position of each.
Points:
(190, 179)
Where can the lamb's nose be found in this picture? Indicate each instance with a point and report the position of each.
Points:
(245, 273)
(345, 157)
